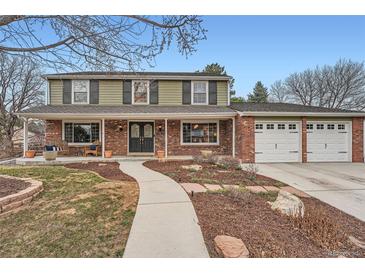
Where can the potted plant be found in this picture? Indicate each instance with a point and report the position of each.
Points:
(30, 154)
(108, 153)
(160, 154)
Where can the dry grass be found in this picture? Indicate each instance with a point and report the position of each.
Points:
(321, 228)
(79, 214)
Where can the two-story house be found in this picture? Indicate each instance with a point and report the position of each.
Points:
(182, 114)
(139, 113)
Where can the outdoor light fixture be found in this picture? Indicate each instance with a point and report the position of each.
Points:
(120, 128)
(159, 128)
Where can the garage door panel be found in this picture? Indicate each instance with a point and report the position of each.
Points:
(277, 145)
(329, 144)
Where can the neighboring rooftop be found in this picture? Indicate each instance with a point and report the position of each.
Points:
(285, 107)
(134, 75)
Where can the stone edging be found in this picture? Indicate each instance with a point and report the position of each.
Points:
(23, 197)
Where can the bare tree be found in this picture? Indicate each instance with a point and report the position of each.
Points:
(21, 86)
(98, 42)
(278, 92)
(339, 86)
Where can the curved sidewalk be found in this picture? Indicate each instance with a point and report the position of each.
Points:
(165, 224)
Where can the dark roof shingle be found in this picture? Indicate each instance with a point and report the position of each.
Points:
(284, 107)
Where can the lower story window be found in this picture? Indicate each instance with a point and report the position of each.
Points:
(200, 133)
(81, 132)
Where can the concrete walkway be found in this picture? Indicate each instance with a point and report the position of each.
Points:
(165, 225)
(341, 185)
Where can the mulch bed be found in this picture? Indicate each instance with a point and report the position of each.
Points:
(11, 186)
(267, 233)
(210, 174)
(108, 170)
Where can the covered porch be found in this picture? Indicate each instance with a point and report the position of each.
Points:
(147, 132)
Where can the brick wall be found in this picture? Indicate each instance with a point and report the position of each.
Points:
(304, 139)
(358, 139)
(116, 133)
(175, 148)
(53, 133)
(245, 138)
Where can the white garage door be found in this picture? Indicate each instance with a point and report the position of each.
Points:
(328, 141)
(277, 142)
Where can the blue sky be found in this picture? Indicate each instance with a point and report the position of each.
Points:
(268, 48)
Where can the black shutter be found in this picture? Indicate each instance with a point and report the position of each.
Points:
(154, 92)
(67, 91)
(212, 92)
(94, 91)
(186, 92)
(127, 92)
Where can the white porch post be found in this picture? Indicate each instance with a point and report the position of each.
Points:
(25, 136)
(103, 137)
(233, 138)
(165, 138)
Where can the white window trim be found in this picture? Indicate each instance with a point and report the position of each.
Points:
(88, 93)
(148, 92)
(206, 92)
(198, 122)
(80, 121)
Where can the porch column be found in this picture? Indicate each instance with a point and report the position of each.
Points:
(233, 138)
(103, 137)
(165, 138)
(25, 136)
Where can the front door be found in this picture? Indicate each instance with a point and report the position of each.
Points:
(141, 137)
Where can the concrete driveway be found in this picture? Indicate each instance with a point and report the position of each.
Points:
(341, 185)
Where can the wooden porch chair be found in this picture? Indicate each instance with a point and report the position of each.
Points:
(93, 149)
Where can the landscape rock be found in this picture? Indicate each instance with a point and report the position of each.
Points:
(256, 189)
(189, 187)
(230, 247)
(357, 242)
(192, 167)
(271, 188)
(288, 204)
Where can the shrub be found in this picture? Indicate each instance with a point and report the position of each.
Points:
(321, 228)
(252, 170)
(228, 163)
(240, 193)
(210, 159)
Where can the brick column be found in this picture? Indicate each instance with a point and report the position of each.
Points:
(304, 139)
(245, 138)
(358, 139)
(53, 133)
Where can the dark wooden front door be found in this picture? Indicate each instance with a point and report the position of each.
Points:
(141, 137)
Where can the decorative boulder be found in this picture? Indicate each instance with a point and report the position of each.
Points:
(357, 242)
(230, 247)
(192, 167)
(288, 204)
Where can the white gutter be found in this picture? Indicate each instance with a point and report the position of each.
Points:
(305, 114)
(136, 77)
(126, 115)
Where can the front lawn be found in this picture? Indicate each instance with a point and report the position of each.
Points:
(323, 232)
(78, 214)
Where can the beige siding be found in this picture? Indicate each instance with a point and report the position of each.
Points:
(110, 92)
(55, 91)
(170, 92)
(222, 93)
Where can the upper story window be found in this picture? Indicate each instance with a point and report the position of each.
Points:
(80, 91)
(199, 90)
(140, 92)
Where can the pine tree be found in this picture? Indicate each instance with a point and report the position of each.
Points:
(216, 68)
(259, 94)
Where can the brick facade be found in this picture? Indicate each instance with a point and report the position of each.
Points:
(245, 138)
(304, 139)
(358, 139)
(116, 133)
(116, 138)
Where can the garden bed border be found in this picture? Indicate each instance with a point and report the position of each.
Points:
(23, 197)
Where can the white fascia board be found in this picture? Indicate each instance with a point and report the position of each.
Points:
(136, 77)
(304, 114)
